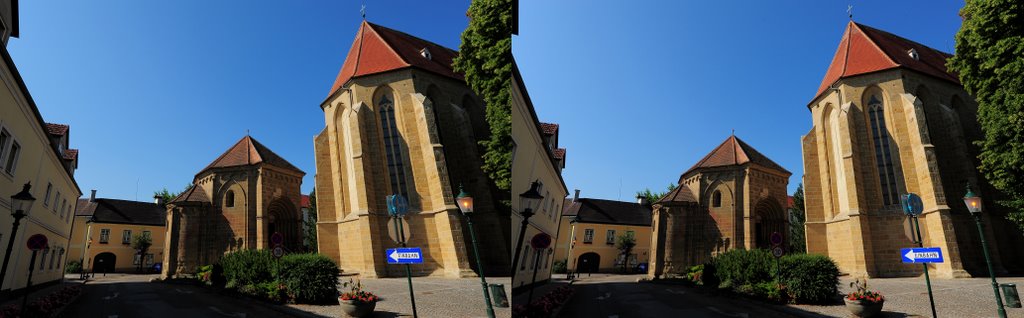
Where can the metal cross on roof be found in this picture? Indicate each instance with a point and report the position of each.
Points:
(362, 11)
(849, 10)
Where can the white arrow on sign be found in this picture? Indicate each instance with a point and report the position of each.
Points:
(395, 255)
(911, 255)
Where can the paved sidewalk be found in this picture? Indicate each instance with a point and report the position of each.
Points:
(435, 297)
(908, 297)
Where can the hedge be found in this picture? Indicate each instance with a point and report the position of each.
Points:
(809, 278)
(745, 267)
(801, 278)
(309, 278)
(248, 267)
(302, 278)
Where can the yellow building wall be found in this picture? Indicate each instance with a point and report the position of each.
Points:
(39, 165)
(124, 254)
(607, 252)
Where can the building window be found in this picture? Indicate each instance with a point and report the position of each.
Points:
(12, 158)
(55, 200)
(126, 237)
(610, 240)
(588, 236)
(104, 236)
(46, 199)
(149, 259)
(229, 199)
(716, 199)
(9, 151)
(52, 259)
(392, 146)
(136, 258)
(526, 255)
(883, 152)
(42, 262)
(60, 257)
(63, 208)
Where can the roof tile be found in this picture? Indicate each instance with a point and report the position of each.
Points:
(248, 151)
(57, 129)
(609, 212)
(122, 211)
(734, 152)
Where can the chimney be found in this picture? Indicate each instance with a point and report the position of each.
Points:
(159, 200)
(92, 197)
(576, 197)
(641, 200)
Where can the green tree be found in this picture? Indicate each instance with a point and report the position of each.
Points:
(309, 224)
(141, 244)
(625, 244)
(485, 57)
(990, 62)
(655, 196)
(797, 217)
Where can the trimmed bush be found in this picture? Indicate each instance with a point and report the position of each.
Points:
(809, 278)
(558, 267)
(309, 278)
(745, 267)
(73, 267)
(248, 267)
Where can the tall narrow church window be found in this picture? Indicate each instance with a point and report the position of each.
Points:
(883, 152)
(392, 146)
(716, 199)
(229, 199)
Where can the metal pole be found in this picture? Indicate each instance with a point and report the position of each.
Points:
(927, 280)
(85, 249)
(480, 267)
(568, 256)
(527, 213)
(408, 272)
(10, 244)
(536, 264)
(991, 273)
(31, 266)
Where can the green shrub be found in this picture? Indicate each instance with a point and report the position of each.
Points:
(309, 278)
(558, 267)
(745, 267)
(248, 267)
(809, 278)
(73, 267)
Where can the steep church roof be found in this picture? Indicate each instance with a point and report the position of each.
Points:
(193, 194)
(864, 49)
(248, 151)
(734, 152)
(678, 195)
(378, 49)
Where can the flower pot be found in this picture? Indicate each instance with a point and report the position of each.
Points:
(864, 308)
(353, 308)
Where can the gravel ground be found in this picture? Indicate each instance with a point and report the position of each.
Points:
(435, 297)
(908, 297)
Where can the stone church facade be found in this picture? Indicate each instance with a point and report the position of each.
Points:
(734, 197)
(237, 202)
(400, 120)
(889, 119)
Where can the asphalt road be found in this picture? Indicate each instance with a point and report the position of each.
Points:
(620, 296)
(125, 296)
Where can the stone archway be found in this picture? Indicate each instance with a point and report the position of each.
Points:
(588, 263)
(282, 217)
(769, 217)
(104, 263)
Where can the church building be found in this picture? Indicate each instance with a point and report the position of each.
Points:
(890, 119)
(400, 120)
(732, 198)
(237, 202)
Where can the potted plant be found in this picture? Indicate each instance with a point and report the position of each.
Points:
(356, 302)
(864, 302)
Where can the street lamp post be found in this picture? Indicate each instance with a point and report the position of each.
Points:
(466, 206)
(572, 242)
(85, 245)
(529, 200)
(974, 206)
(20, 205)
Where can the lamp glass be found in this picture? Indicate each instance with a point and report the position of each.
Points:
(465, 201)
(531, 198)
(973, 203)
(22, 201)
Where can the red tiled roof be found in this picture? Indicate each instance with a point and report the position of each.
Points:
(678, 195)
(864, 49)
(560, 153)
(734, 152)
(379, 49)
(57, 129)
(248, 151)
(193, 194)
(789, 202)
(549, 129)
(71, 154)
(304, 202)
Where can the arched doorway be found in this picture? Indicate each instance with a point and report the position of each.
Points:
(283, 218)
(588, 263)
(768, 218)
(104, 262)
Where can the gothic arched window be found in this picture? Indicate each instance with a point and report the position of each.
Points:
(716, 199)
(229, 199)
(392, 145)
(883, 151)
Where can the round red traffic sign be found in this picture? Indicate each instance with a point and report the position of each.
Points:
(36, 242)
(776, 238)
(277, 238)
(540, 241)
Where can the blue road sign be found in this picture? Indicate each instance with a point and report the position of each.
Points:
(922, 255)
(404, 255)
(397, 205)
(912, 204)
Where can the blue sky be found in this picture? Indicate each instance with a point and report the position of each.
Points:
(643, 90)
(156, 90)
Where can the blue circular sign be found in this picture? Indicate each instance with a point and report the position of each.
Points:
(397, 205)
(912, 204)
